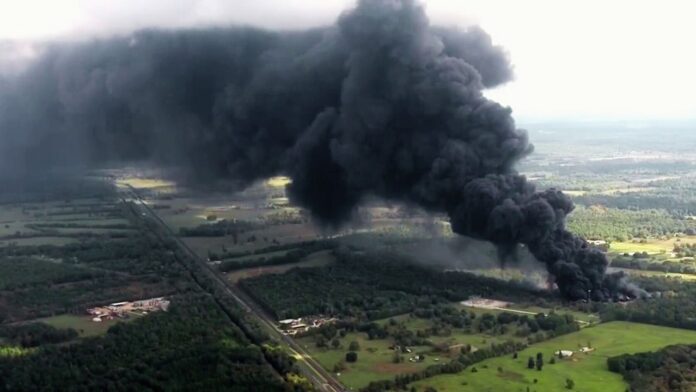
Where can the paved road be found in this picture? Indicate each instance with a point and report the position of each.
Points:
(322, 379)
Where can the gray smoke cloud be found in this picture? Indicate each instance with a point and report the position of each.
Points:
(380, 104)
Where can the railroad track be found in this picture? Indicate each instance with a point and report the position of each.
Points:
(322, 380)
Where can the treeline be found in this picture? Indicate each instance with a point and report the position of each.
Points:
(219, 229)
(640, 200)
(72, 225)
(212, 255)
(291, 257)
(672, 368)
(35, 334)
(81, 235)
(644, 262)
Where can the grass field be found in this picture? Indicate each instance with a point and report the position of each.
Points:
(652, 246)
(374, 360)
(589, 371)
(84, 326)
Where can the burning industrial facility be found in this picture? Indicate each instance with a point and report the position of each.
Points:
(380, 104)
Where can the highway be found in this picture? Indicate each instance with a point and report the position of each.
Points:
(322, 380)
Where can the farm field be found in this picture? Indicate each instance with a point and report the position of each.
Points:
(282, 234)
(257, 256)
(61, 223)
(588, 371)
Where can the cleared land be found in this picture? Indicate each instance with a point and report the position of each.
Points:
(652, 246)
(84, 326)
(588, 371)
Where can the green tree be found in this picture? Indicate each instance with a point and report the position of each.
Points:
(351, 356)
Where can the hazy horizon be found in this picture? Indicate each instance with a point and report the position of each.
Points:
(574, 62)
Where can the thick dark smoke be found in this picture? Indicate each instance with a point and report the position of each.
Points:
(381, 104)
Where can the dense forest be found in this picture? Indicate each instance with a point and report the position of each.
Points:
(671, 304)
(371, 285)
(35, 334)
(191, 347)
(43, 280)
(671, 369)
(597, 222)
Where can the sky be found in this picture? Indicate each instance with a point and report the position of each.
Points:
(574, 60)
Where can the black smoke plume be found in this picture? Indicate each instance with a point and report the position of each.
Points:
(380, 104)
